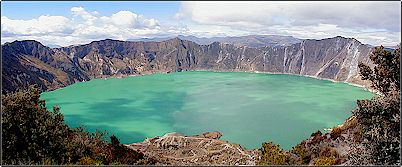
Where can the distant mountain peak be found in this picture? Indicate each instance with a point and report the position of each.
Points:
(107, 40)
(24, 42)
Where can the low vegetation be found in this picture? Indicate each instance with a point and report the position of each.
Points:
(314, 151)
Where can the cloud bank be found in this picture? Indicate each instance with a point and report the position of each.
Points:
(375, 23)
(371, 22)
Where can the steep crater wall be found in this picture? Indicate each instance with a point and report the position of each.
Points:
(29, 62)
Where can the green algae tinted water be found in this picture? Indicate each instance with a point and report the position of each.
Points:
(248, 108)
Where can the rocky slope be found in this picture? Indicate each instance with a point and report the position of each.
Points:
(205, 149)
(29, 62)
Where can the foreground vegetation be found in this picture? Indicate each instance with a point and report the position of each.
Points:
(33, 135)
(371, 136)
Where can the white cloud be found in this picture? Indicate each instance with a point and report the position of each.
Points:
(320, 31)
(41, 25)
(300, 19)
(87, 16)
(83, 27)
(128, 19)
(379, 15)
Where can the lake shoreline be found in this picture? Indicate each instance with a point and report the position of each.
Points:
(365, 87)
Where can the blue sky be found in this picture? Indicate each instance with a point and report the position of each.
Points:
(160, 10)
(77, 22)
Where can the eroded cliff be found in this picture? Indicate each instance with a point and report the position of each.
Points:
(29, 62)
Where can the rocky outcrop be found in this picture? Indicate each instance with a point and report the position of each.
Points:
(177, 149)
(29, 62)
(210, 135)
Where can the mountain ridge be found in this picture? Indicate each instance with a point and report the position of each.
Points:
(247, 40)
(30, 62)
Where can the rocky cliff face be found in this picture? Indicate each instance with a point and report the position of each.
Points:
(29, 62)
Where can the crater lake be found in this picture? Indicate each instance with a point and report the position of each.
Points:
(247, 108)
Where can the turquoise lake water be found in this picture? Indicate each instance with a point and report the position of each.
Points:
(247, 108)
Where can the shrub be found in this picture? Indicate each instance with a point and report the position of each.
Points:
(85, 144)
(309, 151)
(118, 153)
(272, 154)
(336, 132)
(316, 137)
(325, 161)
(379, 118)
(302, 153)
(30, 133)
(385, 77)
(86, 161)
(328, 152)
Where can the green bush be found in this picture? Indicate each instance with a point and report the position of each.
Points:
(30, 133)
